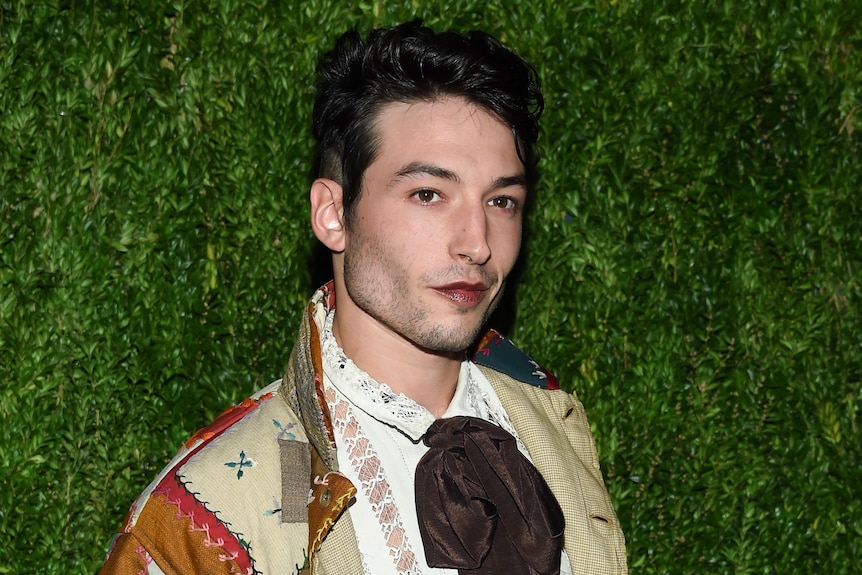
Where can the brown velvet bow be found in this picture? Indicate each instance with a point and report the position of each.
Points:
(483, 508)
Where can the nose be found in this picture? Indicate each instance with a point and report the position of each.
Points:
(470, 238)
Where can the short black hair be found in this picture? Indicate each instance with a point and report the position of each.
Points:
(409, 63)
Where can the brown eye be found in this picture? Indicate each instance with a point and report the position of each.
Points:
(503, 202)
(426, 196)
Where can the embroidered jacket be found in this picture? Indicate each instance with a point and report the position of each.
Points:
(258, 491)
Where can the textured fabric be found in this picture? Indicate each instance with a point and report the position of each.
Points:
(218, 506)
(498, 353)
(555, 429)
(301, 384)
(295, 470)
(483, 508)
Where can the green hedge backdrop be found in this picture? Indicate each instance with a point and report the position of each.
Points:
(693, 262)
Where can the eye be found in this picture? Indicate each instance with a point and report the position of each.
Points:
(426, 196)
(503, 202)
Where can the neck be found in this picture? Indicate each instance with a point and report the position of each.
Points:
(426, 377)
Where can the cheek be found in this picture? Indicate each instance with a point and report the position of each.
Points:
(506, 243)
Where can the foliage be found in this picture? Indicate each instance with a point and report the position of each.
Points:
(692, 260)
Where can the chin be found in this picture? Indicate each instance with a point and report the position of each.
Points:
(448, 341)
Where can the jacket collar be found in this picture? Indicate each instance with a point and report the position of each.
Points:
(302, 385)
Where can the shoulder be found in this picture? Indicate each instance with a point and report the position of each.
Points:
(553, 426)
(262, 410)
(220, 498)
(227, 429)
(499, 353)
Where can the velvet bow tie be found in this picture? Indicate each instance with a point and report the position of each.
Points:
(483, 508)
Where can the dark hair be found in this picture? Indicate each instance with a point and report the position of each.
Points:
(407, 63)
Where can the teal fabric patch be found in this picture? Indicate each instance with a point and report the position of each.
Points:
(500, 354)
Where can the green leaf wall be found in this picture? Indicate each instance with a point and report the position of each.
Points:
(692, 263)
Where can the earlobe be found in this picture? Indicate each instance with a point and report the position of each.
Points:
(327, 213)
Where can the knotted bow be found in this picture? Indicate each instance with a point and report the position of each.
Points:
(483, 508)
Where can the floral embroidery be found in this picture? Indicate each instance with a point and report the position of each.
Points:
(497, 352)
(284, 430)
(243, 462)
(538, 371)
(484, 347)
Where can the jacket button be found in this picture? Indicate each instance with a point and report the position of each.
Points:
(325, 498)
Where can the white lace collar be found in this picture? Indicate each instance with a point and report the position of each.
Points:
(396, 409)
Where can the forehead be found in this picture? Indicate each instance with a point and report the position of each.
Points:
(450, 132)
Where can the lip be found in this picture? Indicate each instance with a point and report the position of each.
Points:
(463, 294)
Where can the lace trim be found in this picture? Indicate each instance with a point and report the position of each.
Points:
(474, 395)
(375, 398)
(373, 483)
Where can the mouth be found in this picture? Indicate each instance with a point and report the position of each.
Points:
(464, 294)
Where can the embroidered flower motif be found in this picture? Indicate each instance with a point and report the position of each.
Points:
(284, 430)
(243, 462)
(484, 347)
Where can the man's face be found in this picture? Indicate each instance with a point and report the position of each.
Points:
(437, 227)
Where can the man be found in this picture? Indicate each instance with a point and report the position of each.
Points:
(384, 449)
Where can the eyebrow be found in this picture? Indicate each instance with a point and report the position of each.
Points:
(418, 168)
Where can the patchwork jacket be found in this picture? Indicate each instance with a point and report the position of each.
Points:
(258, 491)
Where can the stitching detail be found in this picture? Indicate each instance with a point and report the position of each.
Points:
(145, 557)
(202, 526)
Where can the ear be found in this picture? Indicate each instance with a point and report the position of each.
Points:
(327, 213)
